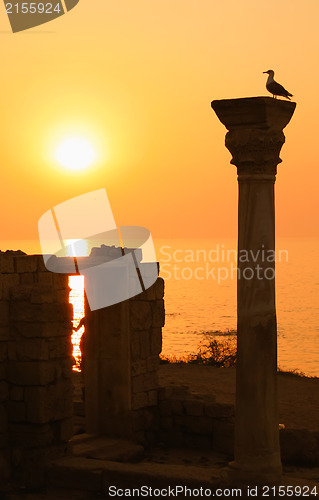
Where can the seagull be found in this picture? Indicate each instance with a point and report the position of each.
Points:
(275, 88)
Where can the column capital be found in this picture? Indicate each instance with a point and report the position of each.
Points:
(255, 132)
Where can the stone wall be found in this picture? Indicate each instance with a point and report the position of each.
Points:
(36, 360)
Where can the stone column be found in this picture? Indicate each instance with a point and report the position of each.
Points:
(254, 139)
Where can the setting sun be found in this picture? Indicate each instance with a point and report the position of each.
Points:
(75, 153)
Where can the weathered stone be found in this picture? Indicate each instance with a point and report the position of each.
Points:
(150, 381)
(3, 350)
(43, 295)
(45, 278)
(139, 400)
(166, 423)
(43, 330)
(3, 391)
(194, 407)
(152, 398)
(158, 313)
(19, 292)
(152, 363)
(144, 337)
(299, 446)
(60, 281)
(141, 315)
(3, 418)
(45, 404)
(31, 372)
(41, 265)
(196, 425)
(9, 281)
(165, 408)
(31, 436)
(65, 429)
(138, 383)
(16, 393)
(3, 372)
(60, 347)
(32, 350)
(4, 313)
(4, 333)
(159, 288)
(27, 278)
(139, 367)
(218, 410)
(17, 411)
(63, 368)
(12, 351)
(63, 295)
(177, 407)
(26, 263)
(6, 263)
(223, 437)
(156, 341)
(135, 348)
(24, 311)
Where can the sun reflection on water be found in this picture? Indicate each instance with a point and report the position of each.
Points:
(76, 298)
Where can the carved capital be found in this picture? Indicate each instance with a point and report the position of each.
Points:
(255, 150)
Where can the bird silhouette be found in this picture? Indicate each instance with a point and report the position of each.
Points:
(275, 88)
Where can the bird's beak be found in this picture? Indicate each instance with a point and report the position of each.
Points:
(265, 71)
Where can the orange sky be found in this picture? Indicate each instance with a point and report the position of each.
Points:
(137, 78)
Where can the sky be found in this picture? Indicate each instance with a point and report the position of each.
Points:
(136, 79)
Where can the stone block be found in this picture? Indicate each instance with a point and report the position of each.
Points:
(3, 418)
(4, 313)
(135, 348)
(152, 398)
(31, 436)
(26, 263)
(12, 351)
(138, 383)
(156, 341)
(32, 350)
(27, 373)
(6, 263)
(152, 363)
(65, 429)
(141, 315)
(27, 278)
(177, 407)
(223, 437)
(4, 442)
(139, 367)
(51, 403)
(20, 292)
(43, 294)
(3, 350)
(43, 330)
(139, 400)
(158, 313)
(17, 411)
(62, 296)
(150, 381)
(63, 368)
(4, 391)
(41, 265)
(299, 446)
(144, 337)
(194, 425)
(60, 281)
(159, 286)
(3, 371)
(26, 312)
(44, 278)
(166, 423)
(165, 408)
(194, 407)
(219, 410)
(9, 281)
(16, 393)
(60, 347)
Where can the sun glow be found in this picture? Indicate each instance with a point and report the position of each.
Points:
(75, 153)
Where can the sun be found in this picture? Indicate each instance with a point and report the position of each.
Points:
(75, 153)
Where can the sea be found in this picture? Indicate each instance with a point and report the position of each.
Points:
(200, 298)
